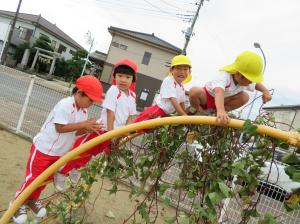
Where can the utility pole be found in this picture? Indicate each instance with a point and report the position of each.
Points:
(189, 32)
(4, 54)
(91, 42)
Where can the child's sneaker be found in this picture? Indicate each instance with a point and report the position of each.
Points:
(20, 216)
(74, 176)
(59, 181)
(37, 208)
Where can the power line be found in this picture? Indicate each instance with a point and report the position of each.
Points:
(129, 7)
(167, 3)
(154, 6)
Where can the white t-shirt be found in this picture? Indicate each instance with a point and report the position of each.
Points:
(225, 81)
(48, 140)
(170, 88)
(122, 105)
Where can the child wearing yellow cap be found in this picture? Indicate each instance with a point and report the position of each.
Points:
(172, 94)
(227, 92)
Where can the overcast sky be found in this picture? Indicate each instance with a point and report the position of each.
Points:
(223, 30)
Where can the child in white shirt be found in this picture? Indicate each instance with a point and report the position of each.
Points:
(66, 120)
(118, 108)
(227, 92)
(172, 94)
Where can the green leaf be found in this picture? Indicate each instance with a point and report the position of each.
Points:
(170, 220)
(249, 128)
(290, 170)
(268, 219)
(250, 213)
(224, 189)
(167, 200)
(114, 189)
(142, 208)
(291, 207)
(215, 198)
(162, 188)
(191, 194)
(284, 145)
(291, 158)
(296, 176)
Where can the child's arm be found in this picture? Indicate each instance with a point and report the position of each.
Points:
(110, 119)
(86, 126)
(179, 109)
(222, 116)
(183, 106)
(266, 94)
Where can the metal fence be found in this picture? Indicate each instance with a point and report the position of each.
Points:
(26, 100)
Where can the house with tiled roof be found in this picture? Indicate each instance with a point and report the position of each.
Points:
(29, 27)
(287, 116)
(152, 55)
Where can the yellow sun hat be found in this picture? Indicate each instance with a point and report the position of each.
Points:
(181, 60)
(249, 64)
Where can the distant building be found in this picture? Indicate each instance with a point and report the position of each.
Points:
(97, 59)
(30, 27)
(152, 55)
(286, 116)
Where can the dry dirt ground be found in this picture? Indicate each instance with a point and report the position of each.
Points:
(13, 156)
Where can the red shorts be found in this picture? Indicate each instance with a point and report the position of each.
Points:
(150, 113)
(210, 104)
(37, 163)
(85, 157)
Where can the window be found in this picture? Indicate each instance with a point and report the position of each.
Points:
(25, 33)
(118, 45)
(123, 47)
(61, 48)
(115, 44)
(53, 44)
(71, 52)
(22, 34)
(146, 58)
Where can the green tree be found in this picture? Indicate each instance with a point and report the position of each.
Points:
(71, 69)
(80, 54)
(20, 51)
(43, 42)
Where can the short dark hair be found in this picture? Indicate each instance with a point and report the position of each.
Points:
(124, 69)
(74, 90)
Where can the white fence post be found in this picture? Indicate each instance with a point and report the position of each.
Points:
(24, 108)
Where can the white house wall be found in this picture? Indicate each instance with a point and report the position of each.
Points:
(3, 29)
(65, 54)
(135, 51)
(286, 118)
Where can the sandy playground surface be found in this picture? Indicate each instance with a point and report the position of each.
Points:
(13, 156)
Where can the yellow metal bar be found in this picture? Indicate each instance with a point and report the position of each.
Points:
(206, 120)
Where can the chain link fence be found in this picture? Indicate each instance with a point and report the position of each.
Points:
(26, 100)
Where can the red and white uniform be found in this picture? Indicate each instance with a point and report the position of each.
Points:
(121, 104)
(163, 106)
(226, 82)
(49, 145)
(85, 157)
